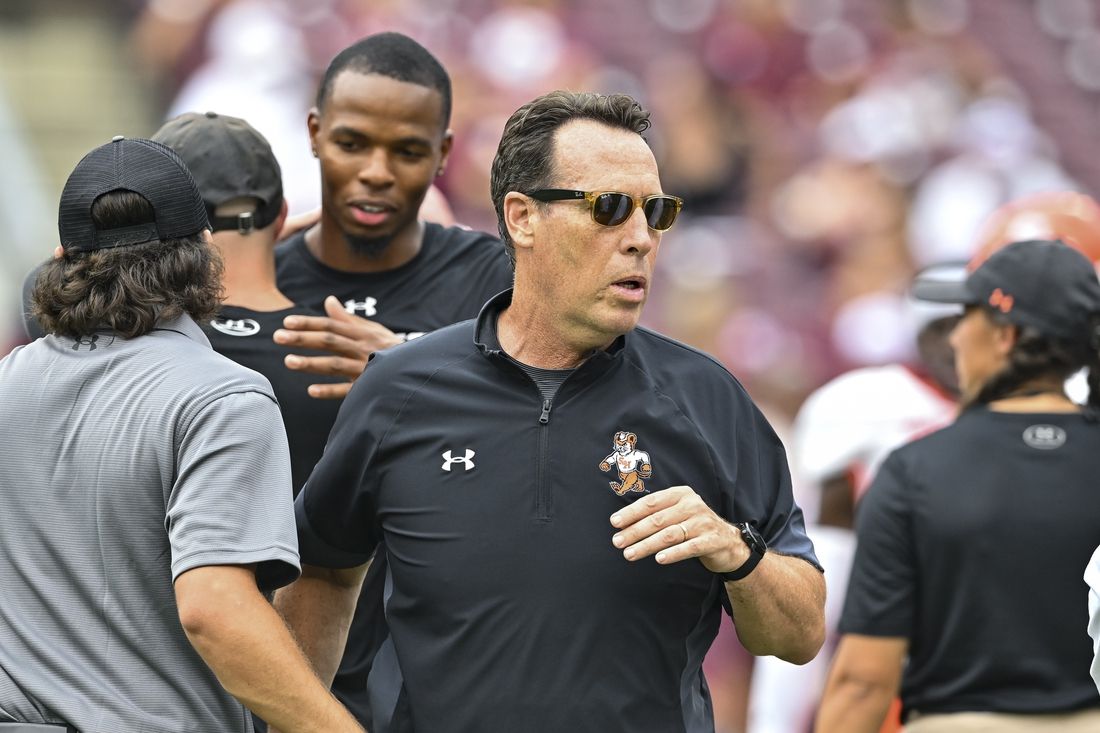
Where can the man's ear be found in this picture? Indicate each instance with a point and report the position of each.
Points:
(1004, 338)
(58, 252)
(520, 216)
(281, 218)
(313, 125)
(445, 151)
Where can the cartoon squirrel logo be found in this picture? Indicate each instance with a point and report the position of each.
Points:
(633, 464)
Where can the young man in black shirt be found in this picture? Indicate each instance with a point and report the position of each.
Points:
(380, 133)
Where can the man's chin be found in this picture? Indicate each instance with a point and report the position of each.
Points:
(370, 247)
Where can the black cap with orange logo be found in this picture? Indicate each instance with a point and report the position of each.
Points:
(1044, 284)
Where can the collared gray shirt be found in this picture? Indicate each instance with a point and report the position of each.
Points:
(124, 463)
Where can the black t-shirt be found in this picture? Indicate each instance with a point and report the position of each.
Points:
(972, 545)
(244, 336)
(452, 276)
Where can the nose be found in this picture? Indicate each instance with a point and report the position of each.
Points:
(376, 171)
(638, 238)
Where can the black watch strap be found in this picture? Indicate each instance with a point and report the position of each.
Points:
(757, 547)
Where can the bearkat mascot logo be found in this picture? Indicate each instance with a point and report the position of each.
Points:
(633, 464)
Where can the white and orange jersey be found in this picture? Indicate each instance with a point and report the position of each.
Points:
(850, 424)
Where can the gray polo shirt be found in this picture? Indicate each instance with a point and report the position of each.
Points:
(124, 463)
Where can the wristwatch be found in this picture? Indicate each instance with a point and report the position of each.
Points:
(757, 548)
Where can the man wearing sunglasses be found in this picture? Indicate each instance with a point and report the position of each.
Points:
(529, 589)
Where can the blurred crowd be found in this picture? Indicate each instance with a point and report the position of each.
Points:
(826, 150)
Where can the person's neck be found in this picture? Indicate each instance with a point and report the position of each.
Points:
(249, 277)
(327, 242)
(531, 335)
(1040, 396)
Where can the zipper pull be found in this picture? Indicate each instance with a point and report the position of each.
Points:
(545, 416)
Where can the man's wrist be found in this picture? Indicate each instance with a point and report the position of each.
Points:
(757, 548)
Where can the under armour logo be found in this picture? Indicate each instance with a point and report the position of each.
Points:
(367, 307)
(467, 460)
(88, 341)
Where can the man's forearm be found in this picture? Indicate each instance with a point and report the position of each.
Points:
(248, 647)
(865, 676)
(318, 608)
(850, 706)
(779, 609)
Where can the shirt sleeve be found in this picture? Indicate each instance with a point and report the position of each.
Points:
(1092, 577)
(759, 489)
(230, 503)
(335, 511)
(882, 589)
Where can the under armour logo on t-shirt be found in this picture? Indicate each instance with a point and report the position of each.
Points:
(467, 460)
(361, 307)
(86, 341)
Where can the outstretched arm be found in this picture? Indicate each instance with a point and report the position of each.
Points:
(248, 647)
(779, 607)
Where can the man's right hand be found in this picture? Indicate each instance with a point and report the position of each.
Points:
(348, 337)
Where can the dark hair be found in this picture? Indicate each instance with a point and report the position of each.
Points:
(1093, 362)
(127, 289)
(396, 56)
(1036, 356)
(525, 156)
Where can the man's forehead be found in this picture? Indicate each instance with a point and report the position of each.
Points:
(370, 93)
(587, 152)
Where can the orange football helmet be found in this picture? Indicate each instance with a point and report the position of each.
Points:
(1069, 216)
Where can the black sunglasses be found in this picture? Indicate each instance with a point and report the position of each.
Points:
(612, 208)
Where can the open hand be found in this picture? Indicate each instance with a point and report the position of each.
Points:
(350, 339)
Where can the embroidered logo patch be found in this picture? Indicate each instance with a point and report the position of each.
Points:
(236, 326)
(1045, 437)
(633, 465)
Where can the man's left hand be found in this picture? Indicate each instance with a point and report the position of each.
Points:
(676, 524)
(348, 337)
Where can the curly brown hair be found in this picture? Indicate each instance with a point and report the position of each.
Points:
(127, 289)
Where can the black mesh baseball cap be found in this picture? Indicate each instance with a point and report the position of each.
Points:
(143, 167)
(1044, 284)
(229, 160)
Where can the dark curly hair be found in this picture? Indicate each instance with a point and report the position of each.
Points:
(525, 156)
(127, 289)
(1036, 356)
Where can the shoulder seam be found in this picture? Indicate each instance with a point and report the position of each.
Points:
(416, 391)
(692, 350)
(657, 389)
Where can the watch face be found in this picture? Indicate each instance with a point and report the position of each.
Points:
(752, 538)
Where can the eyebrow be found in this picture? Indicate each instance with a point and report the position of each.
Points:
(408, 140)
